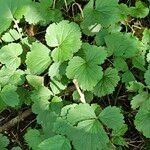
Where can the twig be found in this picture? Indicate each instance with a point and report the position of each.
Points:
(78, 5)
(82, 98)
(66, 5)
(54, 3)
(15, 120)
(17, 27)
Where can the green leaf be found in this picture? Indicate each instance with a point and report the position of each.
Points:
(42, 13)
(47, 119)
(140, 10)
(139, 99)
(128, 77)
(86, 69)
(88, 96)
(56, 142)
(126, 45)
(11, 36)
(146, 37)
(79, 113)
(35, 81)
(119, 141)
(54, 69)
(4, 141)
(139, 62)
(142, 119)
(89, 135)
(33, 138)
(112, 117)
(108, 83)
(9, 55)
(16, 148)
(11, 9)
(11, 76)
(147, 76)
(101, 13)
(65, 38)
(38, 59)
(120, 64)
(40, 98)
(57, 86)
(100, 37)
(9, 95)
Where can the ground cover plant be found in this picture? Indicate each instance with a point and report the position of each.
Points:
(74, 74)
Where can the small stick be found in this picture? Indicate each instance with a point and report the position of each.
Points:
(15, 120)
(17, 27)
(78, 5)
(82, 97)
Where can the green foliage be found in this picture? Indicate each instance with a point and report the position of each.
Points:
(65, 37)
(40, 63)
(108, 82)
(85, 68)
(4, 141)
(71, 62)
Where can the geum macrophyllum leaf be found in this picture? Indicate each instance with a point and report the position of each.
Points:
(4, 141)
(80, 124)
(139, 100)
(139, 11)
(9, 55)
(42, 13)
(86, 68)
(104, 13)
(123, 44)
(33, 138)
(38, 59)
(108, 83)
(57, 142)
(65, 38)
(147, 76)
(10, 36)
(11, 9)
(9, 95)
(112, 117)
(142, 119)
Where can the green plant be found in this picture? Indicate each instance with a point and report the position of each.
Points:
(90, 53)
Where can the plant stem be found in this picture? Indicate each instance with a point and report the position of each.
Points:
(82, 97)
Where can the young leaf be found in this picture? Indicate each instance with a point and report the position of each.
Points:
(79, 113)
(86, 69)
(4, 141)
(38, 59)
(33, 138)
(89, 135)
(120, 64)
(139, 99)
(128, 77)
(10, 36)
(56, 142)
(100, 12)
(126, 46)
(147, 76)
(65, 38)
(142, 119)
(9, 95)
(42, 13)
(9, 55)
(11, 9)
(112, 117)
(108, 82)
(35, 81)
(139, 11)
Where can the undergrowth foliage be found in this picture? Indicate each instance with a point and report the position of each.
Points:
(47, 46)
